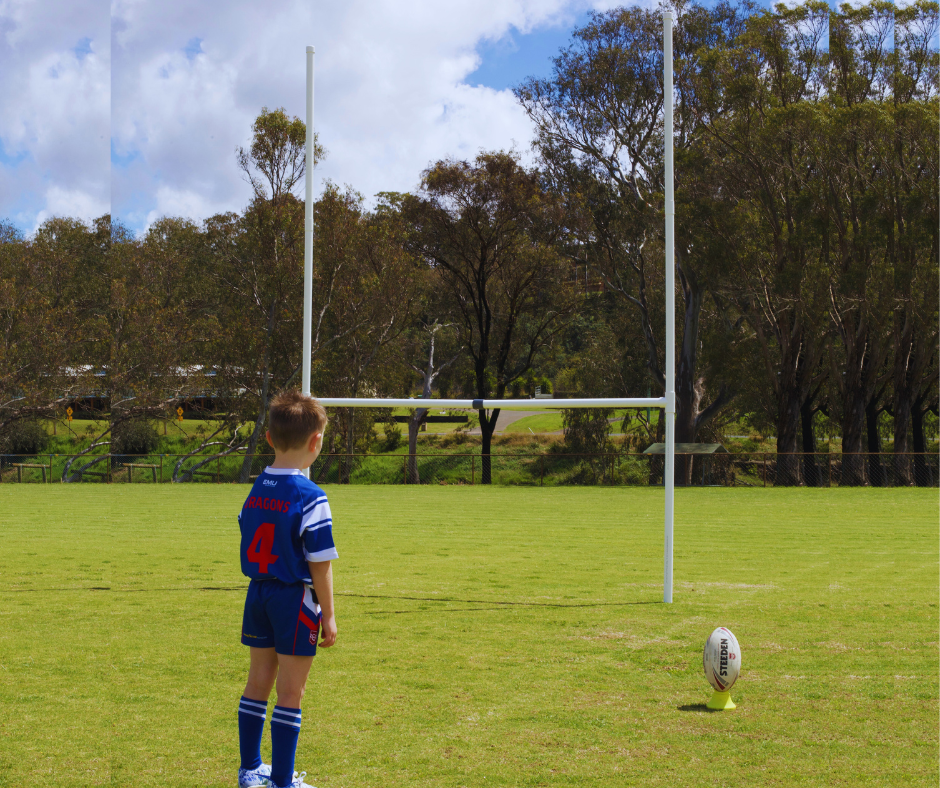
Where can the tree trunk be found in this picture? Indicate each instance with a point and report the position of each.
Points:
(875, 468)
(793, 389)
(853, 422)
(923, 473)
(245, 475)
(810, 466)
(418, 417)
(688, 393)
(324, 469)
(487, 428)
(788, 424)
(657, 467)
(902, 443)
(346, 466)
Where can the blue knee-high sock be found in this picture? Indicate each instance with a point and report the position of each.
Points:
(251, 714)
(285, 728)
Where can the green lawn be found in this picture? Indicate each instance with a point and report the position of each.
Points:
(540, 423)
(552, 422)
(487, 637)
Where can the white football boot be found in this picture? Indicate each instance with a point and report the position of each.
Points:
(255, 778)
(297, 782)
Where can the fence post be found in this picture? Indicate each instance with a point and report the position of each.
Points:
(218, 470)
(829, 463)
(473, 467)
(404, 469)
(541, 469)
(765, 470)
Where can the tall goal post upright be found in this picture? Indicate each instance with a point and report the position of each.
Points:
(667, 402)
(670, 307)
(308, 233)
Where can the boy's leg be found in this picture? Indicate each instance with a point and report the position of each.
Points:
(252, 709)
(262, 673)
(285, 719)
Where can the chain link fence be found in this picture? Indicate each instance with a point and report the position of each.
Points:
(547, 469)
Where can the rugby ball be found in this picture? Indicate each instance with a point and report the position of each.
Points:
(722, 659)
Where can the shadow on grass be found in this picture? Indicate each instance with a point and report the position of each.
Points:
(699, 707)
(496, 601)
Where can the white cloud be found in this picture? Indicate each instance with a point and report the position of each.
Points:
(389, 92)
(174, 86)
(54, 107)
(76, 203)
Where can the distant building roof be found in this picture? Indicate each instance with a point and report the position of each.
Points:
(689, 448)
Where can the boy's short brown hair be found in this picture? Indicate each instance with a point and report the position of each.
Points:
(293, 418)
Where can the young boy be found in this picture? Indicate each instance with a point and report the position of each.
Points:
(286, 547)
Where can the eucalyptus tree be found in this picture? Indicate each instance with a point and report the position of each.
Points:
(762, 116)
(379, 292)
(913, 244)
(491, 229)
(259, 265)
(599, 122)
(433, 346)
(21, 329)
(870, 218)
(70, 273)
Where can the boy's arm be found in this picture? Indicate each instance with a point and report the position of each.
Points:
(322, 574)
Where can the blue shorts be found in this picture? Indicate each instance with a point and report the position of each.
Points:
(283, 616)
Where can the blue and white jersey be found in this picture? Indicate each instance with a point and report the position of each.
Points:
(285, 522)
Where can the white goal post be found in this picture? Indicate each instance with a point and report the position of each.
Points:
(667, 402)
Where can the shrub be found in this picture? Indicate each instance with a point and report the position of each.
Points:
(24, 437)
(392, 431)
(134, 437)
(586, 430)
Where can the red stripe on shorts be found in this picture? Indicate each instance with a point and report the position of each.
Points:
(313, 626)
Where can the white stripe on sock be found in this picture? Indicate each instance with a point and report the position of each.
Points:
(285, 722)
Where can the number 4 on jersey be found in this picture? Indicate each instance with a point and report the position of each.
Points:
(262, 556)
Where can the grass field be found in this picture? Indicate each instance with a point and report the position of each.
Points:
(487, 637)
(553, 422)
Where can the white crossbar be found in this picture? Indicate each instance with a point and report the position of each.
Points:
(491, 404)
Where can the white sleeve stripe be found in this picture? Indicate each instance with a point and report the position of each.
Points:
(317, 515)
(318, 512)
(322, 555)
(315, 501)
(316, 526)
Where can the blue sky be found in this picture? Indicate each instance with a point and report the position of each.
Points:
(509, 60)
(137, 107)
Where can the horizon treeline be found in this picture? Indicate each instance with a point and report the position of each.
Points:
(807, 248)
